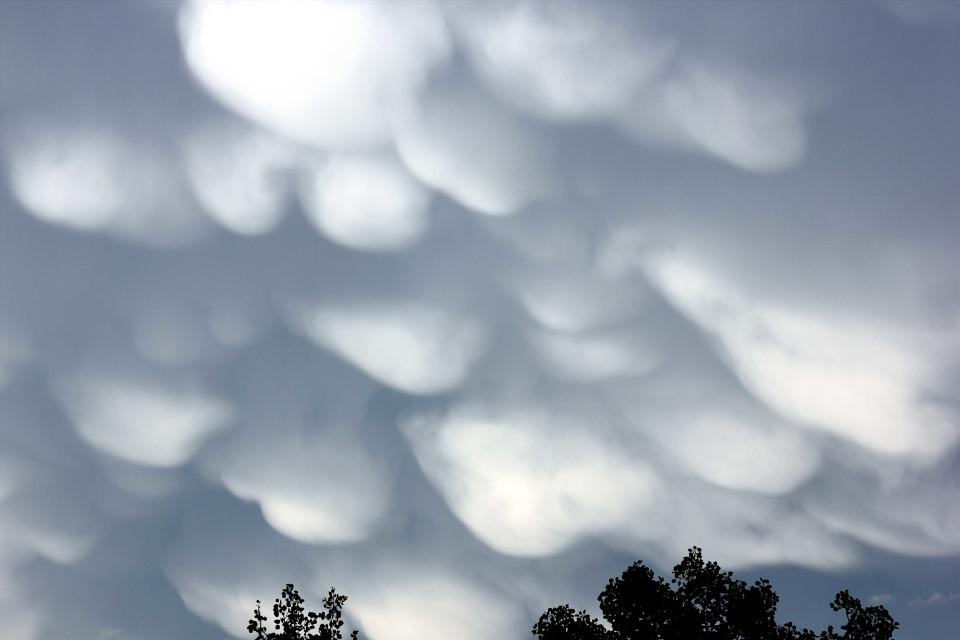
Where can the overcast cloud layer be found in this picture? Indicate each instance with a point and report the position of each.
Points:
(463, 307)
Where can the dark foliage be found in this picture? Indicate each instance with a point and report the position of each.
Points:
(701, 602)
(292, 622)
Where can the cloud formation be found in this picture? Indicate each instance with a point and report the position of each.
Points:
(331, 73)
(462, 307)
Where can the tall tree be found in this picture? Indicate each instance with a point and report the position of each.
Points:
(701, 602)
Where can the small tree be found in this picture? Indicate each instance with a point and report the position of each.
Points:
(701, 602)
(292, 622)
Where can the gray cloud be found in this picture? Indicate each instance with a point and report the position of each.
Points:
(462, 308)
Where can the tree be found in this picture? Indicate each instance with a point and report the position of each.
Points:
(701, 602)
(292, 622)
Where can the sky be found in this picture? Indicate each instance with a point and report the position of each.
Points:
(464, 307)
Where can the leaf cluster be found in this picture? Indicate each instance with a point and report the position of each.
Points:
(701, 602)
(292, 622)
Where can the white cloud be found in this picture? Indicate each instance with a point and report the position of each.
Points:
(230, 608)
(415, 347)
(411, 603)
(567, 412)
(312, 488)
(599, 356)
(896, 509)
(844, 374)
(524, 482)
(560, 60)
(739, 530)
(571, 300)
(138, 420)
(936, 598)
(738, 452)
(576, 61)
(90, 178)
(43, 518)
(69, 179)
(335, 73)
(243, 177)
(728, 112)
(365, 202)
(532, 482)
(461, 142)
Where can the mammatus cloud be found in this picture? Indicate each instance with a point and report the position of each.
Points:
(728, 113)
(139, 421)
(312, 488)
(336, 74)
(417, 348)
(242, 177)
(520, 494)
(369, 203)
(89, 177)
(842, 374)
(463, 143)
(595, 357)
(253, 329)
(738, 453)
(559, 60)
(567, 61)
(395, 607)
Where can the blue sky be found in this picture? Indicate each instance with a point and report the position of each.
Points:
(464, 307)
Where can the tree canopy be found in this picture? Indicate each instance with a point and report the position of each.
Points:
(292, 622)
(701, 602)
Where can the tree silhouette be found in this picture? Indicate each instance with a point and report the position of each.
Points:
(292, 622)
(701, 602)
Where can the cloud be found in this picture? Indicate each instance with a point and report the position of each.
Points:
(396, 607)
(43, 516)
(725, 111)
(522, 483)
(843, 374)
(312, 488)
(879, 507)
(336, 74)
(739, 452)
(461, 142)
(559, 60)
(730, 114)
(139, 420)
(243, 177)
(414, 347)
(365, 202)
(575, 61)
(69, 182)
(596, 357)
(935, 599)
(251, 332)
(94, 178)
(570, 300)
